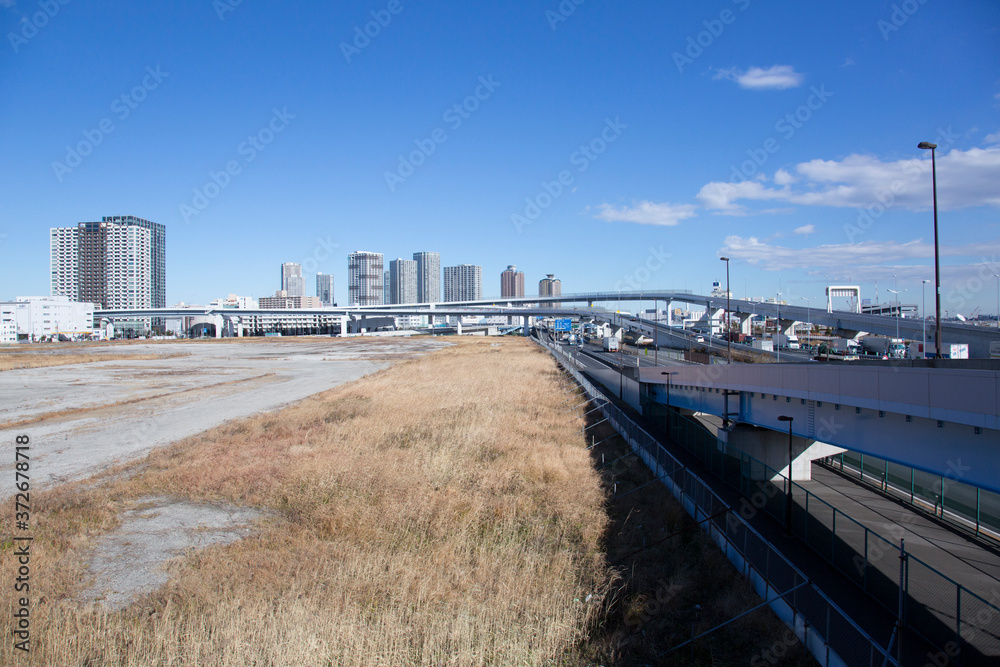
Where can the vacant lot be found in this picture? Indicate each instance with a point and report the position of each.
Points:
(441, 511)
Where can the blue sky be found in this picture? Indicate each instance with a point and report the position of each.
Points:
(616, 145)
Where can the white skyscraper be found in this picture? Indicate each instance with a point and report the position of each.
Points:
(118, 262)
(428, 276)
(463, 282)
(403, 281)
(365, 278)
(324, 288)
(292, 281)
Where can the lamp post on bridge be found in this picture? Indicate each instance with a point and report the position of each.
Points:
(808, 301)
(925, 145)
(923, 314)
(897, 293)
(725, 320)
(668, 374)
(788, 496)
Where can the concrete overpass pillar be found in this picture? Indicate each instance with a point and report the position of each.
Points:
(771, 448)
(525, 329)
(343, 325)
(458, 325)
(786, 326)
(746, 323)
(219, 322)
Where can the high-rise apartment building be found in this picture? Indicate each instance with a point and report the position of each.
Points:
(512, 282)
(324, 288)
(403, 281)
(550, 286)
(428, 276)
(365, 279)
(119, 262)
(463, 282)
(292, 280)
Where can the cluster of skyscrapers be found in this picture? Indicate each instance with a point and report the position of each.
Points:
(120, 262)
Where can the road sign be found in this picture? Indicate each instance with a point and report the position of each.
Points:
(564, 325)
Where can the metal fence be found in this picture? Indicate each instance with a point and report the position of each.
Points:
(946, 614)
(825, 630)
(968, 507)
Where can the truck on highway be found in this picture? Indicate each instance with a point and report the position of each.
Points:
(948, 350)
(881, 346)
(610, 344)
(787, 342)
(844, 346)
(765, 345)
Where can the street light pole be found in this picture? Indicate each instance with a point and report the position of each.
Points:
(923, 313)
(788, 496)
(997, 276)
(897, 310)
(777, 323)
(725, 320)
(808, 301)
(924, 145)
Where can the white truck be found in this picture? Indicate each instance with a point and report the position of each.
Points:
(845, 346)
(948, 350)
(786, 342)
(880, 346)
(610, 344)
(764, 345)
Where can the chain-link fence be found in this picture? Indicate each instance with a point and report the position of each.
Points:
(824, 629)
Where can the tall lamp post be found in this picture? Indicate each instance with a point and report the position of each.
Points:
(923, 313)
(924, 145)
(997, 276)
(668, 374)
(777, 323)
(897, 293)
(809, 327)
(725, 320)
(788, 496)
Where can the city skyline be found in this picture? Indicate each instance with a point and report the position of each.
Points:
(735, 130)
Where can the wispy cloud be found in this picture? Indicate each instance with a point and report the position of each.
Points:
(965, 178)
(648, 213)
(992, 138)
(805, 229)
(776, 77)
(863, 261)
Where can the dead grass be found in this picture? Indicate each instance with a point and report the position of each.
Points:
(442, 511)
(10, 361)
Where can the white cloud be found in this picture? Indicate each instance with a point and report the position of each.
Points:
(648, 213)
(782, 177)
(993, 138)
(776, 77)
(862, 261)
(965, 178)
(805, 229)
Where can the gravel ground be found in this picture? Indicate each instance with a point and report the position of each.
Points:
(95, 415)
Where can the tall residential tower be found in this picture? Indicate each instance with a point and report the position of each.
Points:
(428, 276)
(365, 278)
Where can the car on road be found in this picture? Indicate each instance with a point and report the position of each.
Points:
(699, 339)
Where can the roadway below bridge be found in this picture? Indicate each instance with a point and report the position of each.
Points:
(969, 562)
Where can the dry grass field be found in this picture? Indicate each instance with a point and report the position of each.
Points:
(442, 511)
(14, 360)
